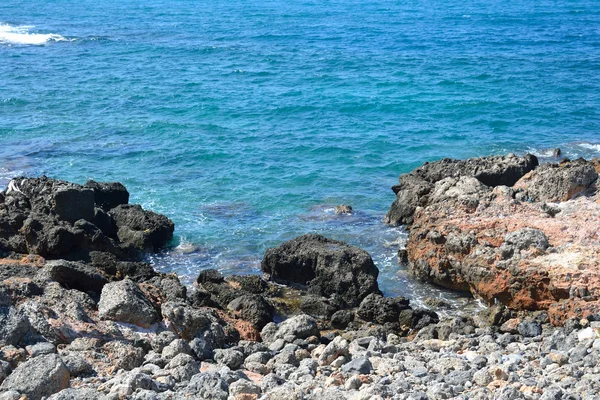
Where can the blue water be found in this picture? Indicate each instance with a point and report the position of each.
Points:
(247, 121)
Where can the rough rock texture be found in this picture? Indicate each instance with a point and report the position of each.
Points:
(327, 267)
(123, 301)
(38, 377)
(512, 248)
(58, 219)
(144, 230)
(415, 187)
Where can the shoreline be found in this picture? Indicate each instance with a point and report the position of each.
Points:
(84, 317)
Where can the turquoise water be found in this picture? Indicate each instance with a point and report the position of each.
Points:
(248, 121)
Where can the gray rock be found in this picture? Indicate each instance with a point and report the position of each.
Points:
(123, 301)
(529, 329)
(297, 327)
(38, 377)
(376, 308)
(229, 357)
(41, 348)
(360, 365)
(76, 364)
(524, 238)
(188, 322)
(327, 267)
(338, 347)
(176, 347)
(207, 386)
(78, 394)
(243, 388)
(14, 325)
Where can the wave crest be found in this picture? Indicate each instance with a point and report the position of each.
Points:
(21, 35)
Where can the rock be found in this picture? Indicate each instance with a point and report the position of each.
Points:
(556, 152)
(244, 390)
(78, 394)
(144, 230)
(108, 195)
(41, 348)
(529, 329)
(123, 355)
(327, 267)
(253, 308)
(123, 301)
(316, 307)
(337, 348)
(341, 319)
(73, 275)
(558, 182)
(208, 386)
(188, 322)
(14, 325)
(229, 357)
(74, 203)
(210, 275)
(343, 209)
(297, 327)
(523, 239)
(376, 308)
(77, 365)
(38, 377)
(360, 365)
(416, 186)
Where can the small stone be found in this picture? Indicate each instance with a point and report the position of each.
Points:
(360, 365)
(343, 209)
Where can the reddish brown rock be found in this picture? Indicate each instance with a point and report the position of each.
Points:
(516, 252)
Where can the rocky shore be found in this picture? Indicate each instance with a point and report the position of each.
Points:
(82, 316)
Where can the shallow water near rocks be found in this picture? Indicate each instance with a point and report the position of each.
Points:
(248, 122)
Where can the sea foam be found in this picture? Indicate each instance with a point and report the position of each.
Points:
(21, 34)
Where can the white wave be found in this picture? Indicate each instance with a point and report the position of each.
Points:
(22, 35)
(590, 146)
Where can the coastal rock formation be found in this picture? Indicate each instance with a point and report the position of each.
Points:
(58, 219)
(326, 267)
(510, 244)
(415, 188)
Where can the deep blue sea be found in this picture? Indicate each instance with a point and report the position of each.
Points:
(246, 122)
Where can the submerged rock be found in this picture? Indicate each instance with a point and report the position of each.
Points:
(326, 267)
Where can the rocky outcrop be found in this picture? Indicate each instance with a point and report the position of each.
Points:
(415, 188)
(326, 267)
(58, 219)
(510, 244)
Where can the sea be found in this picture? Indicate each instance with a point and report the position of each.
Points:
(247, 122)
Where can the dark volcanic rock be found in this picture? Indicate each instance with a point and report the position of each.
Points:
(376, 308)
(254, 309)
(108, 195)
(415, 187)
(327, 267)
(74, 275)
(144, 230)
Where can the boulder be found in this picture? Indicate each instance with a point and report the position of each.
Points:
(326, 267)
(108, 195)
(142, 229)
(39, 377)
(415, 187)
(379, 309)
(187, 321)
(297, 327)
(123, 301)
(252, 308)
(207, 386)
(74, 275)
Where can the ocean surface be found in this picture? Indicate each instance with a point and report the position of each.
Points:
(246, 122)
